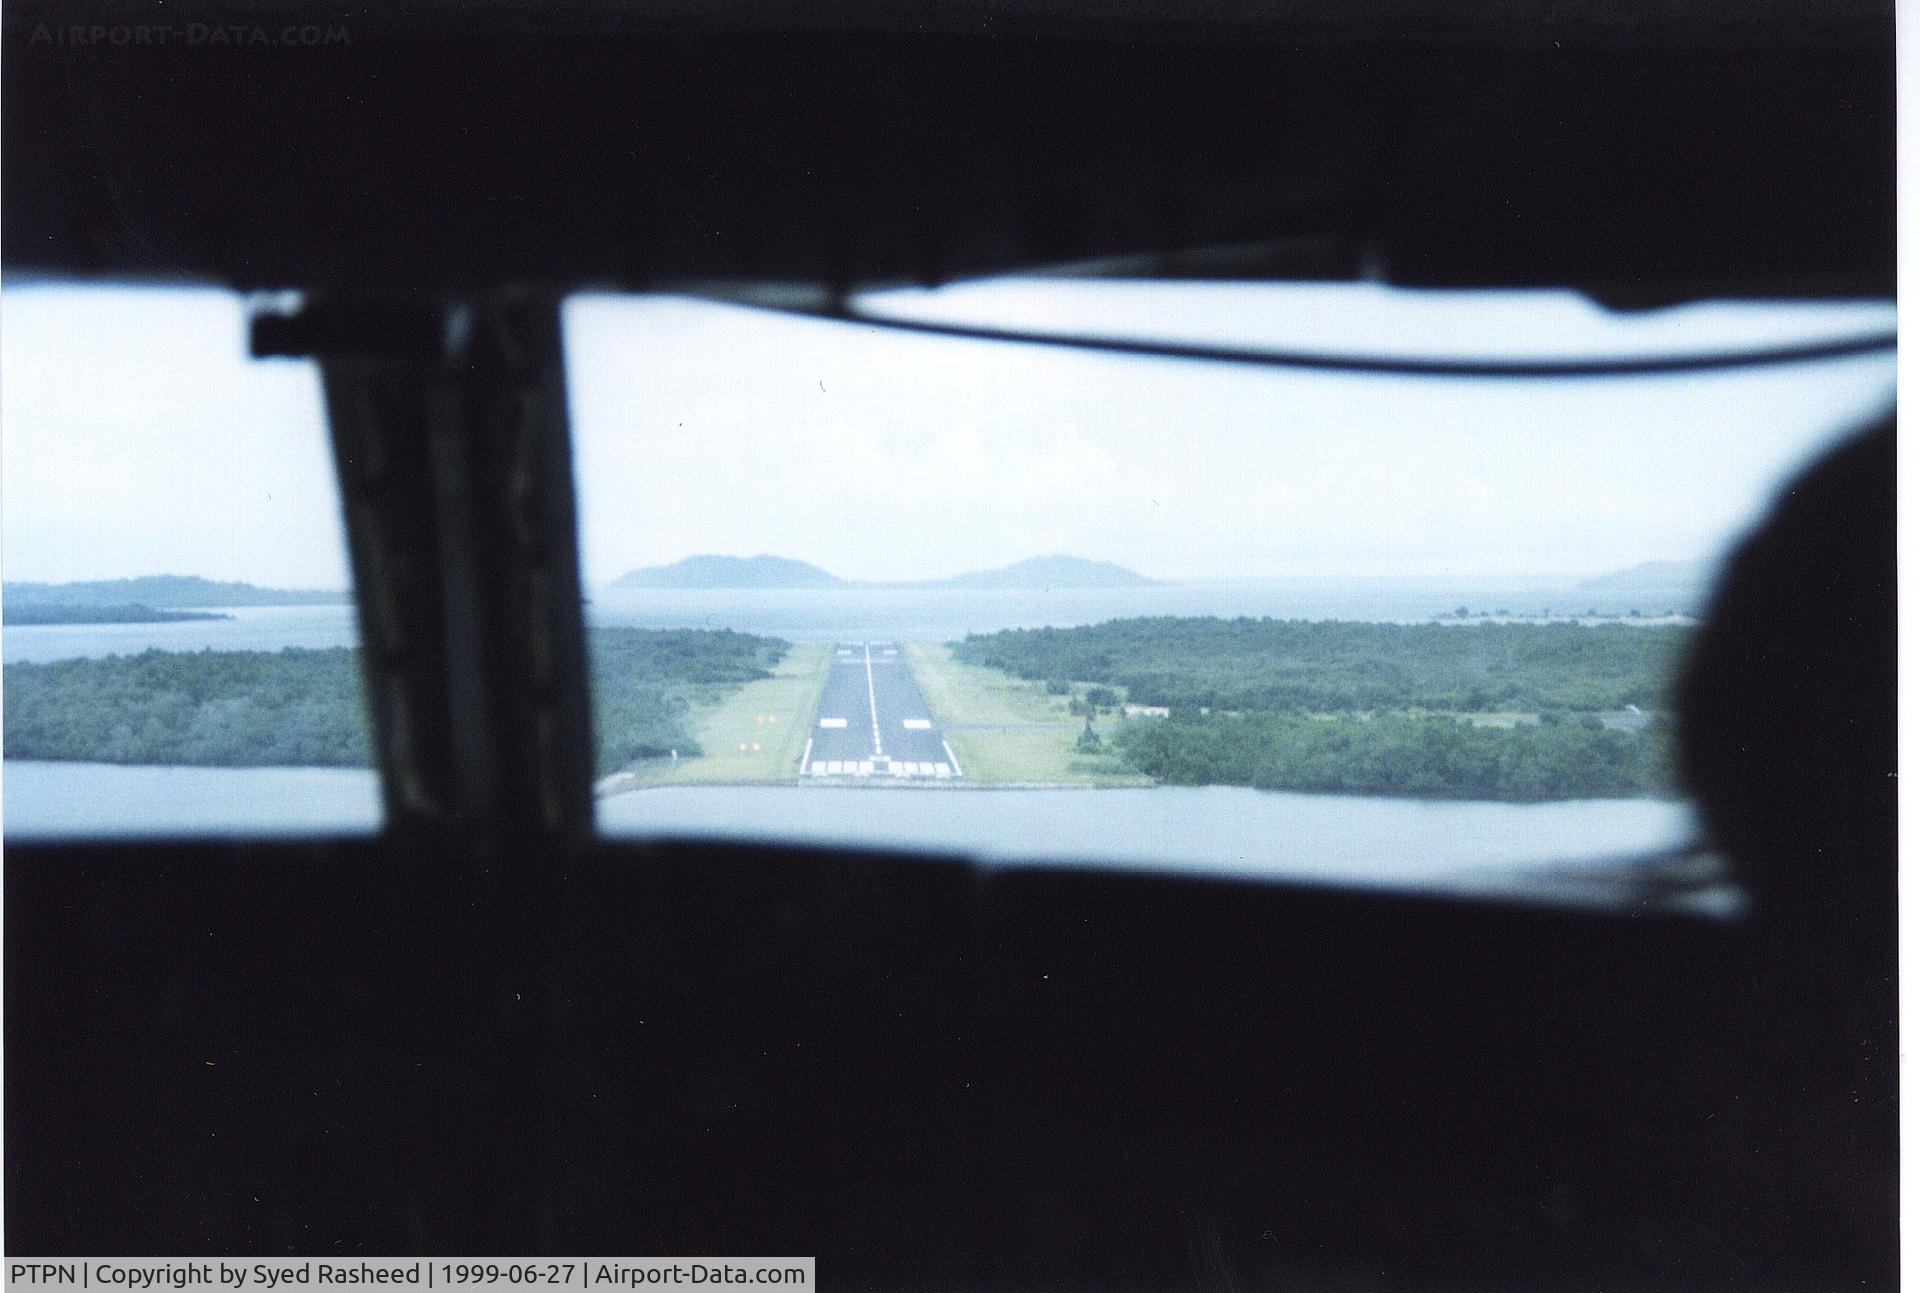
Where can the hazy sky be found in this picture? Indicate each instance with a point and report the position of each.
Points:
(137, 438)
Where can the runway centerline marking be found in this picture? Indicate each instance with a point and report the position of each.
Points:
(873, 705)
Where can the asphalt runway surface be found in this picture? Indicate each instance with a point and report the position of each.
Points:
(873, 721)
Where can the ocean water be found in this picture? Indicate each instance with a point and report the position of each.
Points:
(252, 628)
(1566, 850)
(901, 614)
(48, 800)
(1571, 851)
(943, 615)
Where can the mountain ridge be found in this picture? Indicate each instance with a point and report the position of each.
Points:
(1653, 575)
(1055, 570)
(707, 570)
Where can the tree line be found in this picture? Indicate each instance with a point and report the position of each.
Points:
(644, 682)
(1283, 666)
(1338, 707)
(1400, 754)
(303, 707)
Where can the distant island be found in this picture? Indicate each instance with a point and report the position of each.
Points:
(1654, 576)
(1055, 571)
(154, 593)
(31, 613)
(731, 572)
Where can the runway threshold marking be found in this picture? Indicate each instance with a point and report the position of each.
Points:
(917, 724)
(833, 722)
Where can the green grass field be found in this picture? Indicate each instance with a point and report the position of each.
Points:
(969, 693)
(752, 735)
(1005, 729)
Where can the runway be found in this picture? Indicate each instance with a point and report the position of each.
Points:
(873, 721)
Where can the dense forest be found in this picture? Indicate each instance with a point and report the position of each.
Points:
(1399, 754)
(219, 708)
(299, 707)
(1289, 666)
(1348, 707)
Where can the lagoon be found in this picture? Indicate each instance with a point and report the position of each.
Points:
(1566, 851)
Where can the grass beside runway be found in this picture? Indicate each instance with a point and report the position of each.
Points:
(971, 693)
(773, 714)
(1036, 756)
(1032, 737)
